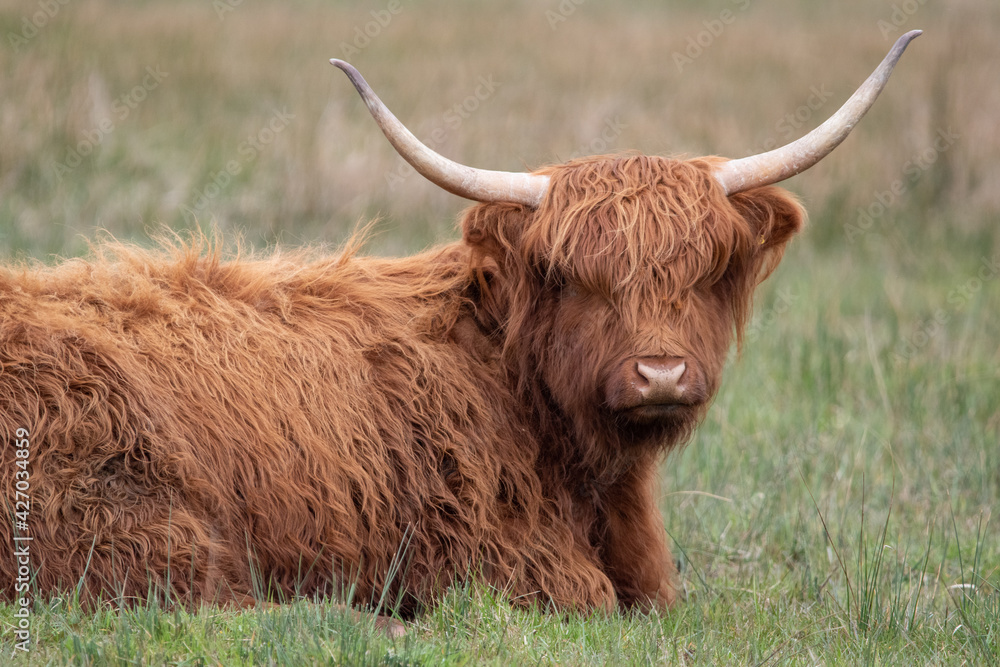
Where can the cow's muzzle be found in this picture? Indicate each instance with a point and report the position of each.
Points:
(649, 389)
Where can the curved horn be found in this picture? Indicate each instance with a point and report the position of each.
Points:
(781, 163)
(478, 184)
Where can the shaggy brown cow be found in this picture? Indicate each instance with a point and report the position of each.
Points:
(493, 408)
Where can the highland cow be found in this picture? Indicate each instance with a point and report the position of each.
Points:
(203, 429)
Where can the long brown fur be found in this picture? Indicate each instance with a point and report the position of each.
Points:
(310, 423)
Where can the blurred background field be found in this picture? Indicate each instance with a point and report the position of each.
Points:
(837, 503)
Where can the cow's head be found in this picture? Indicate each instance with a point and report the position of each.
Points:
(622, 290)
(619, 281)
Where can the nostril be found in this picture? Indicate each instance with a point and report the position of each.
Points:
(661, 373)
(655, 386)
(662, 378)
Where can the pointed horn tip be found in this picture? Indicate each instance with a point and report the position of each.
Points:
(347, 68)
(906, 38)
(355, 78)
(737, 175)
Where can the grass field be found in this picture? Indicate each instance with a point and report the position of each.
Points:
(836, 505)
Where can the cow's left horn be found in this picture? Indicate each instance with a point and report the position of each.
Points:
(478, 184)
(781, 163)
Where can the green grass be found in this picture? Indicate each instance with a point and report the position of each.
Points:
(836, 505)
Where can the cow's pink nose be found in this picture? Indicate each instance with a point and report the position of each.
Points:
(661, 380)
(651, 388)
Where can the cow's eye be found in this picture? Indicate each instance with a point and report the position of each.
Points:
(568, 290)
(564, 287)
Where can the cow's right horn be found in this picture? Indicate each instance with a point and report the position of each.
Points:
(478, 184)
(781, 163)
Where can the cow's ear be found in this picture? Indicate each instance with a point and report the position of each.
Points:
(774, 214)
(495, 229)
(495, 232)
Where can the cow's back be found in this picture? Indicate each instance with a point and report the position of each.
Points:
(191, 419)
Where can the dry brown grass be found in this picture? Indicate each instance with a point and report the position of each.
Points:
(558, 89)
